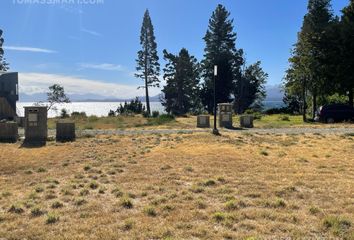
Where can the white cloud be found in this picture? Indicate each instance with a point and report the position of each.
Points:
(102, 66)
(29, 49)
(91, 32)
(32, 83)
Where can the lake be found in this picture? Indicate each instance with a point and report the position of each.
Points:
(102, 108)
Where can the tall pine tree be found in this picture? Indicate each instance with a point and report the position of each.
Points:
(4, 66)
(307, 64)
(182, 75)
(148, 66)
(346, 63)
(220, 50)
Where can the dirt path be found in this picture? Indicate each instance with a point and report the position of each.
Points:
(188, 131)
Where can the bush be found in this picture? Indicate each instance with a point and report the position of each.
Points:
(134, 107)
(284, 118)
(256, 115)
(150, 211)
(155, 114)
(282, 110)
(111, 113)
(52, 218)
(78, 115)
(64, 113)
(145, 114)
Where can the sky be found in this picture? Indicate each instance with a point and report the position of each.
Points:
(90, 46)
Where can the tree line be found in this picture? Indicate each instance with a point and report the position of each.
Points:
(322, 61)
(189, 83)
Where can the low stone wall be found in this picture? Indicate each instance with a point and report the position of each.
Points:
(65, 131)
(8, 131)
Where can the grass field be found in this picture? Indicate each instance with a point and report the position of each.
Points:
(137, 121)
(192, 186)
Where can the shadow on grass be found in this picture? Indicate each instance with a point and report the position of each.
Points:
(33, 144)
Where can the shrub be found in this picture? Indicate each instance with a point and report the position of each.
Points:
(78, 115)
(111, 113)
(150, 211)
(128, 225)
(117, 192)
(52, 218)
(134, 107)
(337, 225)
(93, 185)
(230, 205)
(36, 212)
(80, 202)
(145, 114)
(209, 183)
(255, 114)
(284, 118)
(41, 170)
(155, 114)
(219, 216)
(16, 209)
(64, 113)
(57, 204)
(126, 203)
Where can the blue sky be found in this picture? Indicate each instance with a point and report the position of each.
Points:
(91, 48)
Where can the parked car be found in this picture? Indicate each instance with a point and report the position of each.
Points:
(335, 113)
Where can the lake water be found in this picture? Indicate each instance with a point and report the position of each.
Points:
(102, 108)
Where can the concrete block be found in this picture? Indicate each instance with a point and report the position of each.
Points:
(203, 121)
(65, 131)
(246, 121)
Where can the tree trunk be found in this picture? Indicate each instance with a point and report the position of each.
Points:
(314, 103)
(304, 101)
(351, 100)
(146, 78)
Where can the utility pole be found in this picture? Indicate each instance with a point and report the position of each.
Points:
(215, 130)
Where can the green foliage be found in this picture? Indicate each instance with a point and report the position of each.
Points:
(52, 218)
(182, 74)
(64, 113)
(155, 114)
(148, 67)
(78, 115)
(256, 115)
(56, 95)
(133, 107)
(250, 89)
(337, 225)
(220, 50)
(150, 211)
(4, 66)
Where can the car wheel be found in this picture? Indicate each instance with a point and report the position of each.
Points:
(330, 120)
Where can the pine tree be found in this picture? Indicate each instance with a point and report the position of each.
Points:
(308, 67)
(4, 66)
(346, 63)
(220, 50)
(148, 66)
(182, 75)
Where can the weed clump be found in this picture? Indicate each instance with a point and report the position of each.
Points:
(52, 218)
(150, 211)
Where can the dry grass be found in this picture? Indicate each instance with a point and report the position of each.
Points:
(179, 187)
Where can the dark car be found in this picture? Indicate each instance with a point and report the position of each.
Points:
(336, 113)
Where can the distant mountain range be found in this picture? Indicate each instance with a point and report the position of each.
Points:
(274, 93)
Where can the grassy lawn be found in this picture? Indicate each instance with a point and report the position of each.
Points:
(190, 122)
(237, 186)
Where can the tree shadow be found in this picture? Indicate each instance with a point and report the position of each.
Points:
(236, 128)
(33, 144)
